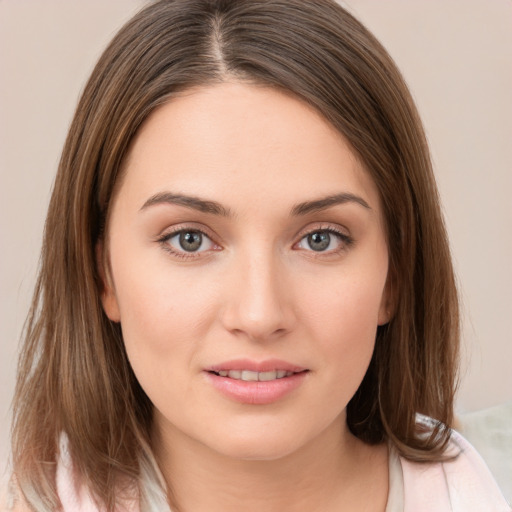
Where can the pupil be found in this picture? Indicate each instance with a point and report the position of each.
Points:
(319, 241)
(191, 240)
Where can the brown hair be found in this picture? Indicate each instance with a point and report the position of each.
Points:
(74, 376)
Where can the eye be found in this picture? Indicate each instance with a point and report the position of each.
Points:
(187, 241)
(324, 240)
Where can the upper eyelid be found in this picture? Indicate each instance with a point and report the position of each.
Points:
(174, 230)
(345, 239)
(323, 226)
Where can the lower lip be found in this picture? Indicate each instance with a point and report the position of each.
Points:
(256, 392)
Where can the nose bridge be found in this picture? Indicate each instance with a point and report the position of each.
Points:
(258, 305)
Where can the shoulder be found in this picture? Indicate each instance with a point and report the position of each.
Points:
(461, 484)
(470, 479)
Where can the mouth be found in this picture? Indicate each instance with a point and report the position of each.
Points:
(256, 383)
(252, 376)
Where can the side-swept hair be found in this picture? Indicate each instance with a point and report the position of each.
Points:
(74, 376)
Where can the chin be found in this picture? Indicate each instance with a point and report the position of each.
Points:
(256, 450)
(258, 444)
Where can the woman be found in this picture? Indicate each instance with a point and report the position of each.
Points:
(246, 293)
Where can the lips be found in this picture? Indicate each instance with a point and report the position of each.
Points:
(256, 383)
(250, 376)
(268, 365)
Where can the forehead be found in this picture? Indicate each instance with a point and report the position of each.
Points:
(244, 145)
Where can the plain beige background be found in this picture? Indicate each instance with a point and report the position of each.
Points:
(457, 58)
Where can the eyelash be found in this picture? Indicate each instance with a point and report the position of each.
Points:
(345, 240)
(164, 242)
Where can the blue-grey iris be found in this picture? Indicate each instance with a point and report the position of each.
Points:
(191, 241)
(319, 241)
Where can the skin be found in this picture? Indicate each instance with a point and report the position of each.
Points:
(255, 290)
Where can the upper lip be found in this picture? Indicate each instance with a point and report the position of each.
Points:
(267, 365)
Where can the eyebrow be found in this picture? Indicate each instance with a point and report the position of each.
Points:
(215, 208)
(327, 202)
(195, 203)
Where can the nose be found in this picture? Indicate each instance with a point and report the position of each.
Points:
(259, 304)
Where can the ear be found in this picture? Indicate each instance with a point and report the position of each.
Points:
(107, 291)
(388, 302)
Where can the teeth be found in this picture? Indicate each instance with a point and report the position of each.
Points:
(267, 376)
(250, 376)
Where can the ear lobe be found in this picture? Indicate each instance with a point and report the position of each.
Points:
(107, 292)
(388, 303)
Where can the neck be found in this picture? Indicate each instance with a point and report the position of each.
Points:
(336, 471)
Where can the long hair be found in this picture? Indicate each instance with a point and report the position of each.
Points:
(74, 376)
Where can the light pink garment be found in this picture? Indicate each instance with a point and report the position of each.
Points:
(462, 485)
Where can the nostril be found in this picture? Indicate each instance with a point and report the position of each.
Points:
(258, 314)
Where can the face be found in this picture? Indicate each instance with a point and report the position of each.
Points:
(247, 267)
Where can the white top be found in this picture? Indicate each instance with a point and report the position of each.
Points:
(464, 484)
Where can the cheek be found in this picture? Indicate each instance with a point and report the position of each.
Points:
(163, 312)
(343, 322)
(163, 331)
(349, 309)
